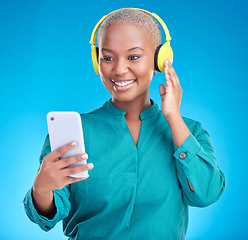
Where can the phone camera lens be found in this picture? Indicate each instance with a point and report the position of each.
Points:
(52, 118)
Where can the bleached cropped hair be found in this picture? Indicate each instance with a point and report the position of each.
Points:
(130, 15)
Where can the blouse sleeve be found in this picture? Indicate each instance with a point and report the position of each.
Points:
(196, 163)
(61, 199)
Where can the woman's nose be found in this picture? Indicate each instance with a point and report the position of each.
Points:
(120, 67)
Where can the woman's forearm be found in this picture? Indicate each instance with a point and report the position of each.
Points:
(44, 203)
(179, 130)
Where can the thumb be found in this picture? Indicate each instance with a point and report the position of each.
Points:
(162, 91)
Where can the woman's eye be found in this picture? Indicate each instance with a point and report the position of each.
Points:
(108, 58)
(133, 57)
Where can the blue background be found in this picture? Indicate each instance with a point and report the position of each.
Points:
(45, 65)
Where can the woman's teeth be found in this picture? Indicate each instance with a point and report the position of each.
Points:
(122, 84)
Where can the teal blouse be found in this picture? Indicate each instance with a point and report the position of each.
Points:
(135, 192)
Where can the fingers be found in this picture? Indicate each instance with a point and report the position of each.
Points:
(170, 74)
(54, 155)
(162, 91)
(65, 162)
(77, 169)
(73, 180)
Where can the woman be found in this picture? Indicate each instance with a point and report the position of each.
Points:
(146, 165)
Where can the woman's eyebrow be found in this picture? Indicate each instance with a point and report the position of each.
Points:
(134, 48)
(107, 50)
(131, 49)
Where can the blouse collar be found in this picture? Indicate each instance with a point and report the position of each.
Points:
(147, 113)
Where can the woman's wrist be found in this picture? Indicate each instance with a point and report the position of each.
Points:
(179, 129)
(44, 203)
(36, 193)
(172, 117)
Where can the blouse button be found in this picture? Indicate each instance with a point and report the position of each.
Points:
(182, 155)
(42, 222)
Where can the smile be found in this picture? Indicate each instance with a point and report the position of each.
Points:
(122, 85)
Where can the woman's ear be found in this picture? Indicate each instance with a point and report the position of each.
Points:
(155, 71)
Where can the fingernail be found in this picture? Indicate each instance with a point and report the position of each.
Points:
(170, 60)
(74, 144)
(84, 156)
(90, 165)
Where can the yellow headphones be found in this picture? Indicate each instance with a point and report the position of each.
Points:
(162, 53)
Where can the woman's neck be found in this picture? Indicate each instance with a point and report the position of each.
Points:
(133, 108)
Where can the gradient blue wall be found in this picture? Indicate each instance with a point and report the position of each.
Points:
(45, 65)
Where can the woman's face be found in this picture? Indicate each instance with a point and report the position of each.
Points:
(126, 61)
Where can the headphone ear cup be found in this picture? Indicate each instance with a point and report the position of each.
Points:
(94, 55)
(163, 52)
(156, 57)
(97, 53)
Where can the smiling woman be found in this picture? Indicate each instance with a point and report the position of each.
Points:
(150, 164)
(126, 63)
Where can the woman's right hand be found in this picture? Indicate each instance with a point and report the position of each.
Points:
(54, 172)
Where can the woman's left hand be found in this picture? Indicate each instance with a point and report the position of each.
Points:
(171, 95)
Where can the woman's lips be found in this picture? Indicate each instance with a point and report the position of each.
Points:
(123, 84)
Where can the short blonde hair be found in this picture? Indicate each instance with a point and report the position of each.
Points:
(130, 15)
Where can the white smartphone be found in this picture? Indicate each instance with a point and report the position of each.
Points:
(65, 127)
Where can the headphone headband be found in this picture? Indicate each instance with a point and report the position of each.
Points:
(167, 34)
(162, 53)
